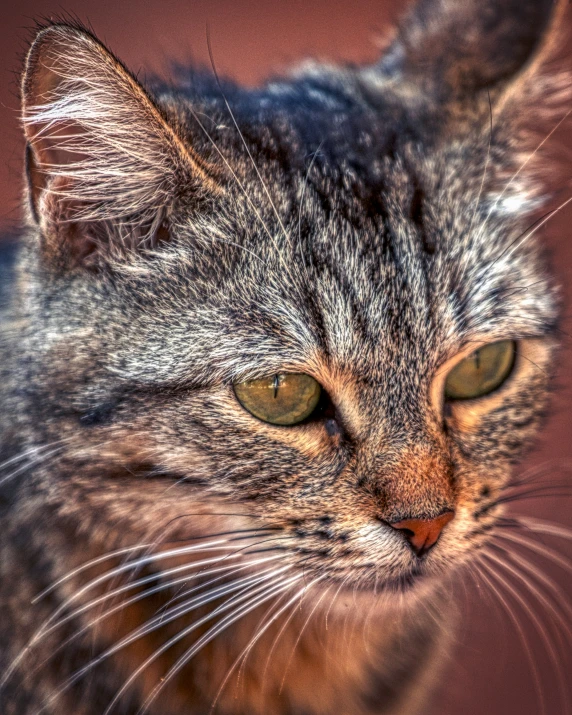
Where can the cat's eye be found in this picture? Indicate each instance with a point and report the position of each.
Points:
(287, 398)
(482, 372)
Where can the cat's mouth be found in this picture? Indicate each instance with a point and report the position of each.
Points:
(402, 584)
(413, 579)
(373, 580)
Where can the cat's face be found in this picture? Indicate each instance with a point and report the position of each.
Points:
(346, 235)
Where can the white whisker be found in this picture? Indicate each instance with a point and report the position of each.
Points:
(544, 527)
(260, 632)
(34, 461)
(152, 578)
(226, 572)
(542, 632)
(519, 630)
(244, 589)
(228, 552)
(302, 630)
(560, 598)
(545, 551)
(33, 451)
(207, 637)
(235, 177)
(525, 163)
(516, 245)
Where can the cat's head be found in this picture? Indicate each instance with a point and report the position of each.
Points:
(319, 305)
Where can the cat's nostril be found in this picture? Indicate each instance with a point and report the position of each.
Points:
(423, 534)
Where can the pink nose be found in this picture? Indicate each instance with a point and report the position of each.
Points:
(423, 534)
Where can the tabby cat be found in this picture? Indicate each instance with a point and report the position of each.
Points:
(269, 358)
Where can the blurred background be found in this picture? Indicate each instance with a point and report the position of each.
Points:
(252, 39)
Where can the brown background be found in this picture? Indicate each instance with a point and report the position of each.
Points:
(254, 38)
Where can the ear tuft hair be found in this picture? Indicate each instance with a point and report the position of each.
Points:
(458, 52)
(100, 149)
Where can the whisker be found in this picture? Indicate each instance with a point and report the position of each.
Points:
(519, 629)
(534, 590)
(229, 552)
(545, 551)
(150, 558)
(515, 245)
(130, 549)
(153, 578)
(542, 632)
(559, 596)
(233, 174)
(259, 633)
(171, 614)
(41, 458)
(337, 593)
(473, 571)
(302, 630)
(267, 593)
(41, 632)
(244, 592)
(537, 492)
(548, 466)
(533, 486)
(32, 450)
(272, 610)
(544, 527)
(296, 604)
(84, 567)
(243, 140)
(525, 163)
(225, 571)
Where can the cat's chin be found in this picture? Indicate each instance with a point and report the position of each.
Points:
(415, 582)
(362, 601)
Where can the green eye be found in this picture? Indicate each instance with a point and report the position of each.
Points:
(481, 372)
(284, 399)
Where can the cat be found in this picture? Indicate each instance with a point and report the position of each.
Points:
(268, 360)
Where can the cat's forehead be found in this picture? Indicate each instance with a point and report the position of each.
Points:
(368, 299)
(399, 249)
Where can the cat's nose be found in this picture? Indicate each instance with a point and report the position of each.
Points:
(423, 534)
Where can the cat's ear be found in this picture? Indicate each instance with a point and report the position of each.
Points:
(454, 53)
(103, 162)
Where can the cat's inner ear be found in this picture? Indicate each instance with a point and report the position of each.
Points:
(456, 51)
(103, 162)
